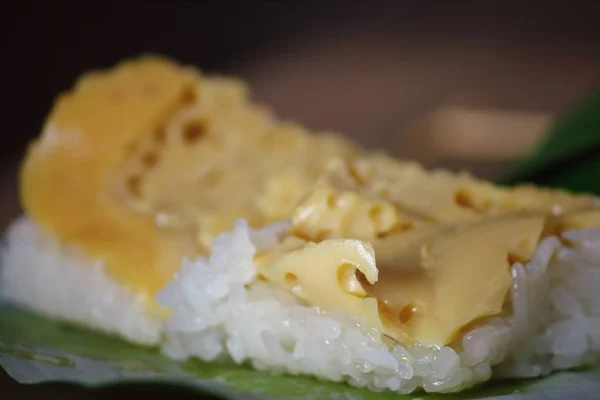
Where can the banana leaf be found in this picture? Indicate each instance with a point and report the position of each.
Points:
(34, 349)
(568, 157)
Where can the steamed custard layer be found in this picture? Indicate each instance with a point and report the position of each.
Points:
(144, 163)
(428, 273)
(147, 162)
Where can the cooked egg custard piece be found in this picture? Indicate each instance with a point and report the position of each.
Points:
(420, 286)
(441, 196)
(425, 291)
(68, 172)
(440, 268)
(146, 162)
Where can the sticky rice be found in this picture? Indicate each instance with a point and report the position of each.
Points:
(221, 312)
(40, 273)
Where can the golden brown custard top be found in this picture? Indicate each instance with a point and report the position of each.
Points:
(146, 162)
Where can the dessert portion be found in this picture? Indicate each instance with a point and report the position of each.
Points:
(165, 206)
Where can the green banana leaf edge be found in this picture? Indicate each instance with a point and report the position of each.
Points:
(568, 157)
(35, 349)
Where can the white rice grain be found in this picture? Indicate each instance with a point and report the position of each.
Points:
(551, 327)
(39, 273)
(220, 312)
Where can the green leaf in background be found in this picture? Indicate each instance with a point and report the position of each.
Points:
(35, 349)
(568, 157)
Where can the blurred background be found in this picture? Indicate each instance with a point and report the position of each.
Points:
(462, 84)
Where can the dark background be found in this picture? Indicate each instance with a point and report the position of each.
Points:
(364, 68)
(551, 47)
